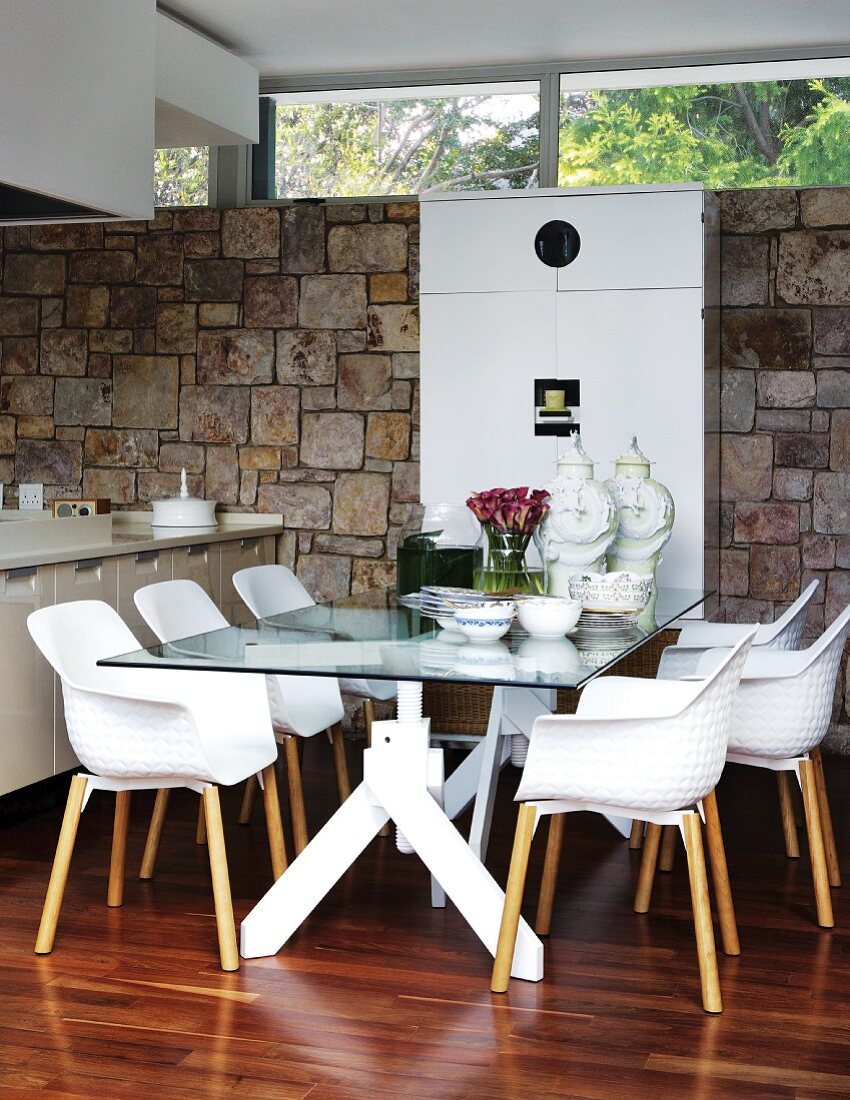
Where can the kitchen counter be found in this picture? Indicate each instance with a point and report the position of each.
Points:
(41, 540)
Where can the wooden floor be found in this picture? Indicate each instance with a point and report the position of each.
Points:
(381, 996)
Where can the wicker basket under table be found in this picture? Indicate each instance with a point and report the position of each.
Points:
(465, 708)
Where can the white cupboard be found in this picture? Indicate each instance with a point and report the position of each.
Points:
(86, 579)
(26, 680)
(137, 571)
(242, 554)
(622, 321)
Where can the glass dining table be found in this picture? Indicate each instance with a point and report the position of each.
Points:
(372, 636)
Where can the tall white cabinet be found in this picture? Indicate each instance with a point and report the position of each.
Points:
(627, 319)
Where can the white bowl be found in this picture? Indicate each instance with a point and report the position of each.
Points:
(618, 591)
(548, 616)
(486, 622)
(184, 512)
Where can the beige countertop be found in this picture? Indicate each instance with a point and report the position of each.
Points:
(41, 540)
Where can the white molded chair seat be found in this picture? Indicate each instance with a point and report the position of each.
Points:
(136, 729)
(780, 716)
(648, 749)
(300, 706)
(268, 590)
(698, 636)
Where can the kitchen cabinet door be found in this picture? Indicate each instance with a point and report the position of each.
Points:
(480, 356)
(135, 571)
(200, 563)
(239, 554)
(26, 680)
(476, 245)
(637, 240)
(87, 579)
(638, 355)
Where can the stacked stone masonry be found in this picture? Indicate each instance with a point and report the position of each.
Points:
(785, 453)
(273, 352)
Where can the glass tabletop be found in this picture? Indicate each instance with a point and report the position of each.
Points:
(371, 636)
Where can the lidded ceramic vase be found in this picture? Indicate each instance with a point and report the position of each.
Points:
(581, 522)
(645, 510)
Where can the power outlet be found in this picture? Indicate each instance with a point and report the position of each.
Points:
(31, 495)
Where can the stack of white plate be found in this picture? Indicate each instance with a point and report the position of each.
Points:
(607, 621)
(442, 602)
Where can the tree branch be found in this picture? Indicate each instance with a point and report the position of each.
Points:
(764, 141)
(491, 174)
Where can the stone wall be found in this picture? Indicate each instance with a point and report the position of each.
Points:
(273, 353)
(785, 473)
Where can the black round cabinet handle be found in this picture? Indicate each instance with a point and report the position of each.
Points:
(557, 243)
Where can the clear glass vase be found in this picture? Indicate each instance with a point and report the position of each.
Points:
(505, 569)
(438, 545)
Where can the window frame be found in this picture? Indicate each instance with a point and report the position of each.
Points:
(616, 72)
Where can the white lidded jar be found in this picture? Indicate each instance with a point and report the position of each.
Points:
(184, 511)
(646, 514)
(581, 522)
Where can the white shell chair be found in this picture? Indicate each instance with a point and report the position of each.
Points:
(647, 749)
(143, 729)
(697, 636)
(780, 717)
(273, 589)
(301, 706)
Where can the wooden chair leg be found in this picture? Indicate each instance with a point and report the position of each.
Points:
(543, 920)
(823, 899)
(826, 820)
(667, 853)
(250, 793)
(151, 851)
(201, 827)
(343, 785)
(61, 864)
(786, 809)
(706, 952)
(297, 812)
(646, 876)
(513, 899)
(720, 877)
(274, 825)
(368, 718)
(636, 835)
(118, 859)
(220, 881)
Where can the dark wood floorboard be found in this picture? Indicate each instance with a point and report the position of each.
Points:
(381, 996)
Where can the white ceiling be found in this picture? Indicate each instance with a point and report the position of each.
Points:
(297, 37)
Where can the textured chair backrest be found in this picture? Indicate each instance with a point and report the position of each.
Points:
(113, 736)
(787, 631)
(708, 718)
(271, 590)
(811, 697)
(178, 609)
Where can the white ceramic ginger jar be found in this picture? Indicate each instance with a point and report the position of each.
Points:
(645, 510)
(581, 522)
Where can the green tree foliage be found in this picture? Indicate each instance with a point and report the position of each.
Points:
(181, 177)
(404, 146)
(724, 135)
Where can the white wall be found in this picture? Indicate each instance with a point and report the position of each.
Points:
(77, 95)
(204, 95)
